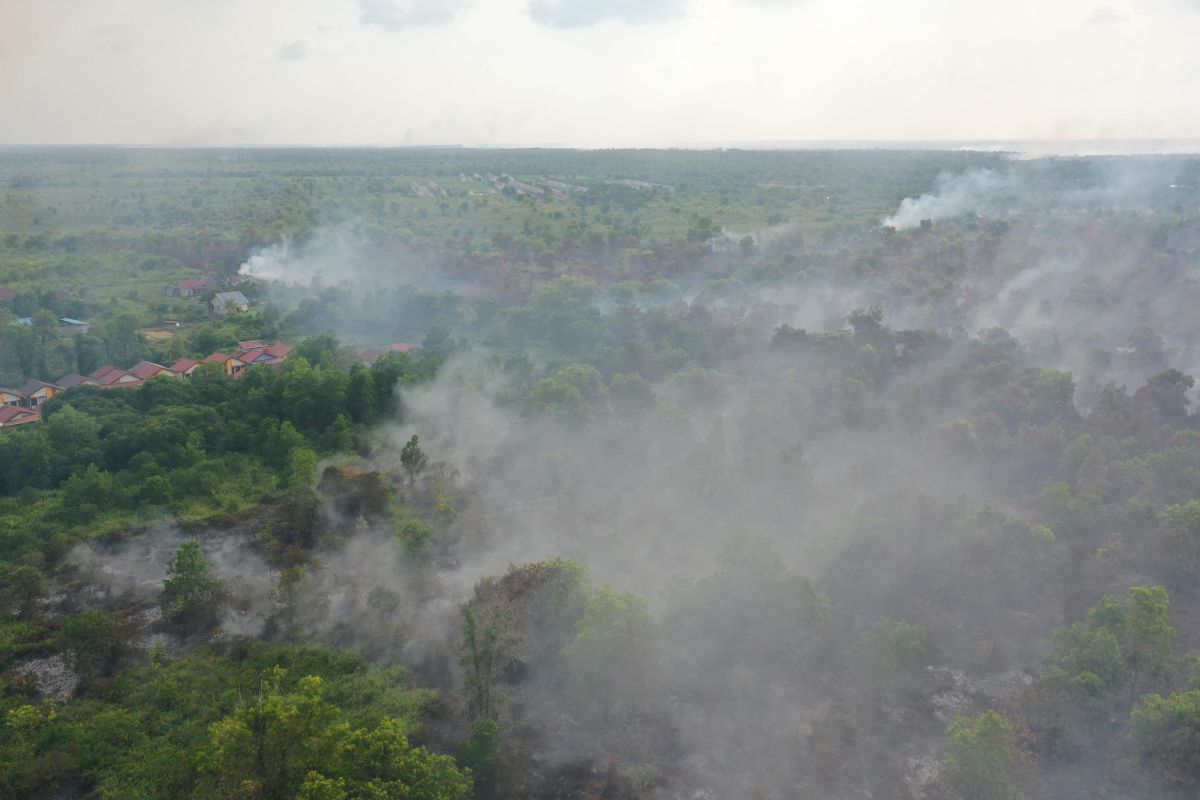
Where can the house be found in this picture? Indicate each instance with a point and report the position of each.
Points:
(190, 288)
(228, 302)
(280, 351)
(75, 379)
(263, 354)
(111, 377)
(68, 326)
(233, 365)
(35, 393)
(184, 367)
(9, 397)
(12, 416)
(6, 294)
(148, 369)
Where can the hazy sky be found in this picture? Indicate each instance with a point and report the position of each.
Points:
(590, 72)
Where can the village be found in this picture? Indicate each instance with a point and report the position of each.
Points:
(22, 406)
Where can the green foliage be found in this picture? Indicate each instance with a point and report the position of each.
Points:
(412, 458)
(180, 729)
(1146, 645)
(1052, 396)
(201, 449)
(93, 641)
(612, 659)
(893, 654)
(573, 392)
(753, 612)
(1165, 735)
(294, 743)
(480, 754)
(192, 594)
(487, 650)
(23, 587)
(1076, 518)
(1118, 646)
(980, 762)
(414, 537)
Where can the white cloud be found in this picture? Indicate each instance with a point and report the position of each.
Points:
(393, 15)
(1107, 15)
(294, 51)
(580, 13)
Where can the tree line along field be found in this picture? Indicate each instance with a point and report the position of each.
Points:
(727, 489)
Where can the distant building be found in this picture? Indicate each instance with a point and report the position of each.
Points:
(190, 288)
(228, 302)
(75, 379)
(184, 367)
(9, 397)
(262, 354)
(233, 366)
(12, 416)
(111, 377)
(148, 369)
(68, 326)
(34, 393)
(6, 294)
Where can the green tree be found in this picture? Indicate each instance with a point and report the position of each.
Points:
(24, 586)
(1146, 646)
(612, 659)
(412, 458)
(893, 655)
(487, 650)
(293, 743)
(1165, 734)
(980, 763)
(302, 467)
(94, 641)
(191, 594)
(480, 754)
(414, 536)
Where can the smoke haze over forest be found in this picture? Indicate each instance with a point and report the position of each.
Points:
(566, 400)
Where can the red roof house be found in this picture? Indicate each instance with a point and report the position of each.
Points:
(11, 416)
(118, 378)
(74, 379)
(148, 369)
(185, 366)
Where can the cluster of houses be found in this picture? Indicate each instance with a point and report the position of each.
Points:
(22, 406)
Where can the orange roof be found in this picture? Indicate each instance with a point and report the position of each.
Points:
(15, 415)
(147, 369)
(97, 374)
(119, 377)
(213, 358)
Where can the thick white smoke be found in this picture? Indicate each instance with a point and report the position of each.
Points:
(955, 195)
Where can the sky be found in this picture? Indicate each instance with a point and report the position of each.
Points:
(619, 73)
